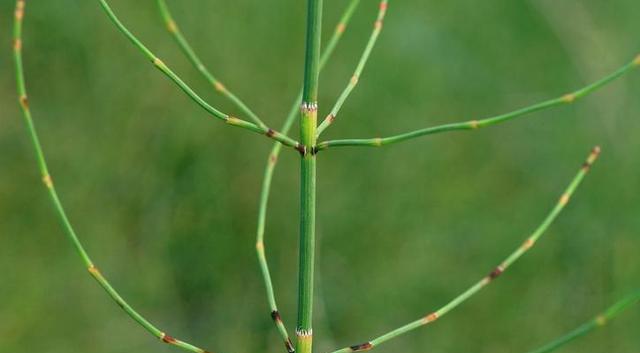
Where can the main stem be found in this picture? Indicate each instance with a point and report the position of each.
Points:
(308, 125)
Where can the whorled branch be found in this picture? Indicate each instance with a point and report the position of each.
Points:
(477, 124)
(57, 204)
(495, 273)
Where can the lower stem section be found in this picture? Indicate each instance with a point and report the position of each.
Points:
(307, 250)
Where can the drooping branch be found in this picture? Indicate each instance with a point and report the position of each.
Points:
(476, 124)
(57, 204)
(272, 161)
(355, 78)
(495, 273)
(188, 51)
(597, 322)
(160, 65)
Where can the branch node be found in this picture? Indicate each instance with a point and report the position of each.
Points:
(167, 339)
(308, 107)
(361, 347)
(48, 182)
(17, 45)
(24, 101)
(569, 98)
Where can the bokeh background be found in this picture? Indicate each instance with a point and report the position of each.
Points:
(165, 198)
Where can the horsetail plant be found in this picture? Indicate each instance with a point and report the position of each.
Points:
(307, 147)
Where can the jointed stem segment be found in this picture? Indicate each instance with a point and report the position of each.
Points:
(160, 65)
(476, 124)
(595, 323)
(55, 200)
(272, 161)
(173, 28)
(308, 126)
(528, 243)
(377, 28)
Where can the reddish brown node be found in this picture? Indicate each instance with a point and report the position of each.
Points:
(289, 346)
(24, 101)
(270, 132)
(361, 347)
(168, 339)
(431, 317)
(496, 272)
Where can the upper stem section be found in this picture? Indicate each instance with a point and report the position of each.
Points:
(312, 54)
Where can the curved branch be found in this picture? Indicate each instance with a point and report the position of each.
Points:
(526, 245)
(595, 323)
(57, 204)
(188, 51)
(377, 28)
(160, 65)
(476, 124)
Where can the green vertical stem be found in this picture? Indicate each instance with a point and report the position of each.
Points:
(308, 126)
(57, 204)
(272, 161)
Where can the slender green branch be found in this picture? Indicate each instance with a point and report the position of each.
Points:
(308, 126)
(377, 28)
(187, 49)
(595, 323)
(272, 161)
(528, 243)
(476, 124)
(55, 200)
(160, 65)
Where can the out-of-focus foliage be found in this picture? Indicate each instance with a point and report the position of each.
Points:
(165, 198)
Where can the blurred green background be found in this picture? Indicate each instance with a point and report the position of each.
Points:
(165, 198)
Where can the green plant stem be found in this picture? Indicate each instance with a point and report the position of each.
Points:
(476, 124)
(528, 243)
(272, 161)
(187, 49)
(595, 323)
(377, 28)
(57, 204)
(160, 65)
(308, 126)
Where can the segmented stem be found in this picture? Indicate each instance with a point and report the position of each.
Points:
(476, 124)
(495, 273)
(188, 51)
(355, 78)
(160, 65)
(272, 161)
(597, 322)
(308, 126)
(57, 204)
